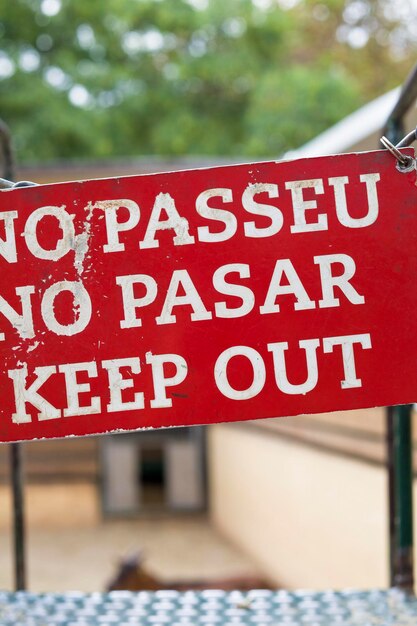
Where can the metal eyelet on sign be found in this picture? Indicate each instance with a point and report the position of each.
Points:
(405, 163)
(409, 167)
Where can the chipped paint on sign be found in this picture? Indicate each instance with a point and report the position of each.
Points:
(210, 295)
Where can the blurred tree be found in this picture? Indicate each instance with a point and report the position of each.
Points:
(87, 79)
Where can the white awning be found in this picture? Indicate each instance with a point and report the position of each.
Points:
(351, 130)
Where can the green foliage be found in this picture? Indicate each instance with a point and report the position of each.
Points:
(294, 105)
(83, 79)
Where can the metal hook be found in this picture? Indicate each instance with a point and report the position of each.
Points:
(408, 139)
(405, 163)
(8, 184)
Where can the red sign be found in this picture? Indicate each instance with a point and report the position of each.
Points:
(203, 296)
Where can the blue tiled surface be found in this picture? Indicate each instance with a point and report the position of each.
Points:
(210, 608)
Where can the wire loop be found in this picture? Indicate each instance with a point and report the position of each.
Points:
(405, 163)
(8, 184)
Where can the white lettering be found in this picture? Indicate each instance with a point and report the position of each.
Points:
(218, 215)
(300, 206)
(329, 282)
(230, 289)
(160, 381)
(74, 388)
(130, 303)
(256, 208)
(181, 278)
(258, 367)
(295, 287)
(62, 245)
(113, 226)
(23, 394)
(347, 342)
(278, 351)
(339, 183)
(117, 383)
(81, 308)
(165, 202)
(22, 323)
(8, 245)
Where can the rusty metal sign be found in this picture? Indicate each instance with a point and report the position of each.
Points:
(202, 296)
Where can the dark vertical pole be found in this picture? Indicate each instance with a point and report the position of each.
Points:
(16, 450)
(400, 476)
(399, 421)
(16, 463)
